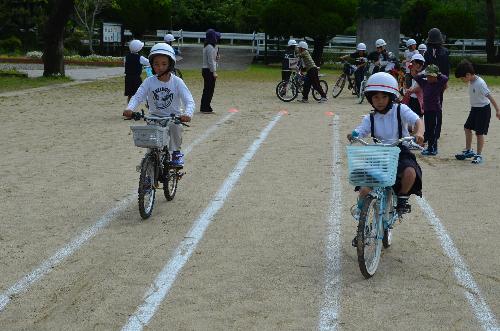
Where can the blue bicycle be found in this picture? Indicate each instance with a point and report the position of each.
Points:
(375, 166)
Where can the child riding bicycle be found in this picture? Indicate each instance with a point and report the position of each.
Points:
(360, 59)
(165, 93)
(389, 122)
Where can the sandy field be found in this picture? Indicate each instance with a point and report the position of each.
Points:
(68, 161)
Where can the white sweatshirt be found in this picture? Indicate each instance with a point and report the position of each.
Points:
(164, 98)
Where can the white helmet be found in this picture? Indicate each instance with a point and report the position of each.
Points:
(410, 42)
(135, 46)
(382, 82)
(169, 38)
(162, 48)
(303, 45)
(361, 47)
(380, 42)
(292, 42)
(417, 57)
(422, 47)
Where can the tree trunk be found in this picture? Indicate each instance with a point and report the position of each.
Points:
(317, 54)
(53, 60)
(490, 37)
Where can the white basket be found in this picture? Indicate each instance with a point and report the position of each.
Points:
(373, 166)
(150, 136)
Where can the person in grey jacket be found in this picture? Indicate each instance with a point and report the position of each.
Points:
(209, 71)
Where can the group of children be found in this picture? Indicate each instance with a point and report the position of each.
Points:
(391, 120)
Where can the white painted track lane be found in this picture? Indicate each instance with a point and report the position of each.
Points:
(330, 309)
(75, 244)
(165, 279)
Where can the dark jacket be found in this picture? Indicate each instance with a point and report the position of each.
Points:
(439, 56)
(133, 64)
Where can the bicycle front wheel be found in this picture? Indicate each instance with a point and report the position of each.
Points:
(286, 90)
(368, 237)
(147, 190)
(339, 85)
(361, 94)
(324, 87)
(171, 178)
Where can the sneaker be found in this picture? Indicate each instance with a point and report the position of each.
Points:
(477, 159)
(177, 159)
(466, 154)
(403, 207)
(429, 152)
(323, 100)
(303, 100)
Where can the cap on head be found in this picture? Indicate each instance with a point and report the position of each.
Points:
(380, 43)
(361, 47)
(417, 57)
(434, 36)
(162, 48)
(135, 45)
(382, 82)
(432, 70)
(303, 45)
(169, 38)
(410, 42)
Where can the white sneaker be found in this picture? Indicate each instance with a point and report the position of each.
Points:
(323, 100)
(303, 100)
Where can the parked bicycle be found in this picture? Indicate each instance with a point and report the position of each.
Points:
(287, 90)
(347, 75)
(155, 167)
(374, 166)
(367, 73)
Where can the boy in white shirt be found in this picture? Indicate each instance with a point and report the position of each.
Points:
(164, 93)
(480, 113)
(389, 122)
(411, 44)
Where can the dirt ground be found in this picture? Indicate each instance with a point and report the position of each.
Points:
(68, 158)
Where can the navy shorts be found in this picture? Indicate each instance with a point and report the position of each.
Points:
(479, 120)
(408, 160)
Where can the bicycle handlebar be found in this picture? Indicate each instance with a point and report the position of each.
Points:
(410, 141)
(136, 116)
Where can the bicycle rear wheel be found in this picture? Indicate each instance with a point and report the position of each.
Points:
(339, 85)
(286, 90)
(147, 191)
(361, 94)
(171, 179)
(368, 243)
(324, 87)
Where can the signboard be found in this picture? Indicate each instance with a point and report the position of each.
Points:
(111, 33)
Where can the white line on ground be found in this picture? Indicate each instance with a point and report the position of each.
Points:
(165, 279)
(46, 266)
(329, 314)
(471, 290)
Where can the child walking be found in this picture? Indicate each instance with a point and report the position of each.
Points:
(432, 84)
(133, 68)
(480, 113)
(165, 93)
(311, 74)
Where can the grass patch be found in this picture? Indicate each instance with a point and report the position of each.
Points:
(14, 83)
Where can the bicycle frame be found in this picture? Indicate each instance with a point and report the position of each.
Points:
(386, 200)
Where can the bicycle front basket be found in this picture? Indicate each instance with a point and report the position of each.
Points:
(149, 136)
(372, 165)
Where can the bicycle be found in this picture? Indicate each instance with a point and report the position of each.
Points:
(287, 90)
(366, 74)
(374, 166)
(155, 167)
(347, 73)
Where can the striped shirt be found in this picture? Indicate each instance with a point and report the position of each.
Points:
(307, 59)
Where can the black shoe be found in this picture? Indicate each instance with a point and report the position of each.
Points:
(354, 241)
(403, 207)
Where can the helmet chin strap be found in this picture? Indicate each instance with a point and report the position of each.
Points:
(163, 73)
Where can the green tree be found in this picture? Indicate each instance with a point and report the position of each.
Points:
(144, 15)
(86, 12)
(320, 20)
(379, 8)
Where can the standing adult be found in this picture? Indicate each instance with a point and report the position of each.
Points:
(209, 71)
(438, 55)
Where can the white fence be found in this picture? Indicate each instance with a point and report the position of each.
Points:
(339, 43)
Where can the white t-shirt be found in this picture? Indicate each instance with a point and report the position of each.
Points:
(142, 60)
(386, 125)
(164, 98)
(478, 90)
